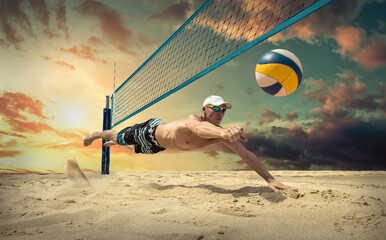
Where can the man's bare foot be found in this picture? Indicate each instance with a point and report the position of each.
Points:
(90, 139)
(110, 143)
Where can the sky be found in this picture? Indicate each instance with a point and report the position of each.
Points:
(57, 66)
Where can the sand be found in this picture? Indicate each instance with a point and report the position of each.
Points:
(194, 205)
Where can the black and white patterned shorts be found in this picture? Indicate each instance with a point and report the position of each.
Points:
(142, 136)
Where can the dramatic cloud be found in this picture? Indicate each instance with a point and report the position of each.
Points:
(11, 17)
(12, 134)
(16, 17)
(84, 51)
(267, 116)
(213, 154)
(14, 170)
(344, 97)
(62, 63)
(42, 16)
(174, 12)
(370, 53)
(110, 21)
(95, 41)
(247, 20)
(325, 21)
(373, 55)
(4, 154)
(349, 145)
(7, 144)
(61, 17)
(18, 105)
(25, 114)
(343, 136)
(349, 38)
(292, 116)
(16, 109)
(251, 20)
(332, 21)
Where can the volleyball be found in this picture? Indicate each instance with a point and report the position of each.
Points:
(279, 72)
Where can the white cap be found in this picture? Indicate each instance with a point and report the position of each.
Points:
(216, 101)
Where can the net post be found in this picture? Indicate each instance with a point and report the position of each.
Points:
(106, 150)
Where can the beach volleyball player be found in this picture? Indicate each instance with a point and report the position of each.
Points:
(193, 132)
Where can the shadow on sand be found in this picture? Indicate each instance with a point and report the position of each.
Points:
(264, 192)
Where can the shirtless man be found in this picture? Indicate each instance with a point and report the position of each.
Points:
(190, 133)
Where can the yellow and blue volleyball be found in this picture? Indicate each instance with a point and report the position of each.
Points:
(279, 72)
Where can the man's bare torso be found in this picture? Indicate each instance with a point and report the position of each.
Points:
(176, 135)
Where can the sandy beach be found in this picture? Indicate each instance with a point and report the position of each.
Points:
(194, 205)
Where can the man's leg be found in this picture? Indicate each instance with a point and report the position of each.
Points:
(109, 135)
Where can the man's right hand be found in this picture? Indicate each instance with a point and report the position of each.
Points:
(234, 133)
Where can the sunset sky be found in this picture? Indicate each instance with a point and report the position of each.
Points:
(57, 66)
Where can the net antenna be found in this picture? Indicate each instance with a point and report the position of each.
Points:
(216, 33)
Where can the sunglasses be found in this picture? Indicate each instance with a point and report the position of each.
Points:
(217, 108)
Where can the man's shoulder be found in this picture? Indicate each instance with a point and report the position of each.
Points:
(193, 117)
(183, 121)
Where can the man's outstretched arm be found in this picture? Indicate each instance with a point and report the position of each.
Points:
(205, 129)
(254, 163)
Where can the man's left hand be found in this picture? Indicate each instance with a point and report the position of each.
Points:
(276, 186)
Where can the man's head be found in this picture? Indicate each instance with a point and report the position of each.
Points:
(214, 108)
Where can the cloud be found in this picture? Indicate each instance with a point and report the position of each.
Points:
(17, 105)
(25, 114)
(373, 55)
(249, 115)
(10, 143)
(111, 24)
(249, 19)
(14, 170)
(292, 116)
(12, 134)
(330, 22)
(17, 108)
(349, 38)
(5, 153)
(325, 21)
(62, 63)
(42, 16)
(16, 19)
(95, 41)
(344, 97)
(370, 53)
(30, 126)
(333, 22)
(220, 87)
(84, 51)
(268, 116)
(11, 17)
(340, 145)
(61, 19)
(212, 154)
(174, 12)
(347, 132)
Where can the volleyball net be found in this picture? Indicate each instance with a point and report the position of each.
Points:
(217, 32)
